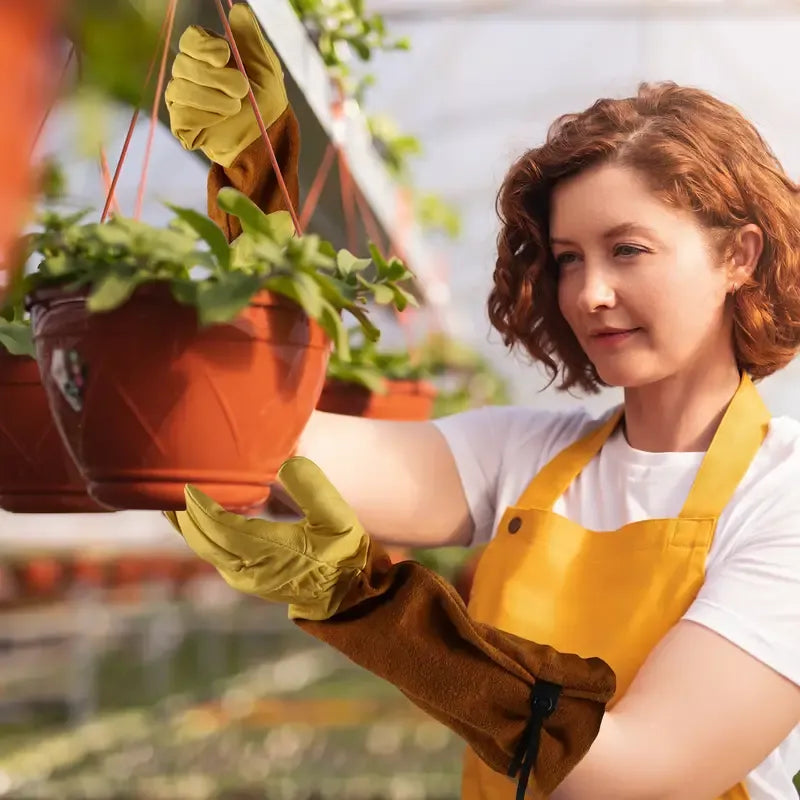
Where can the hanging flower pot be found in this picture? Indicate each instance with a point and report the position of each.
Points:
(410, 400)
(376, 384)
(37, 474)
(148, 402)
(157, 377)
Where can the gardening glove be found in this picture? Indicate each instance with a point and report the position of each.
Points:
(309, 564)
(529, 711)
(209, 108)
(207, 98)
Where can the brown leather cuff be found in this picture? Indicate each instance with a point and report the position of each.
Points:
(508, 698)
(252, 173)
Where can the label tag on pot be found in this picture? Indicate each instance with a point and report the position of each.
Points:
(69, 374)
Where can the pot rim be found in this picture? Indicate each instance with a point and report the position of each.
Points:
(56, 294)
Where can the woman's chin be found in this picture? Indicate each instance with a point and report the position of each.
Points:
(627, 374)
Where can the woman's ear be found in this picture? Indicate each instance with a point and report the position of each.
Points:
(744, 254)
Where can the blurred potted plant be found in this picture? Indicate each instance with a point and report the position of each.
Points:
(171, 356)
(377, 384)
(38, 577)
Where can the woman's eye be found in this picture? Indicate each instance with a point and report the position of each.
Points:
(628, 250)
(564, 259)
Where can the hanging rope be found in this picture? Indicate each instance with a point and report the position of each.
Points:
(259, 119)
(132, 125)
(170, 20)
(106, 175)
(59, 85)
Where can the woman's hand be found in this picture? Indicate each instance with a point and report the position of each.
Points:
(207, 97)
(309, 564)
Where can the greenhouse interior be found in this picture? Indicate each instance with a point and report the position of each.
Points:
(238, 560)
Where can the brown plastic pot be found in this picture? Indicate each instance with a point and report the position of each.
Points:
(410, 401)
(37, 474)
(40, 577)
(147, 401)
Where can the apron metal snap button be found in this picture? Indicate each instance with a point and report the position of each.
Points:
(514, 525)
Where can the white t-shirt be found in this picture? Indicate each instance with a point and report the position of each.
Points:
(751, 594)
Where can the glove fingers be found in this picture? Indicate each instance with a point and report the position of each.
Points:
(227, 80)
(316, 496)
(190, 125)
(181, 92)
(203, 45)
(257, 55)
(251, 540)
(202, 545)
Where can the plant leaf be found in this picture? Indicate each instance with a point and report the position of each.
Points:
(332, 324)
(17, 338)
(111, 291)
(184, 291)
(208, 231)
(224, 299)
(301, 288)
(382, 294)
(370, 331)
(347, 263)
(277, 226)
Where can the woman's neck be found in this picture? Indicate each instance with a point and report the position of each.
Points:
(680, 413)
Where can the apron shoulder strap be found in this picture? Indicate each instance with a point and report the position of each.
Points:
(733, 448)
(556, 476)
(736, 442)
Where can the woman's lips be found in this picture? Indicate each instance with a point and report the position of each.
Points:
(613, 338)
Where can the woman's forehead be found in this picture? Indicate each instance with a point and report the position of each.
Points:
(609, 201)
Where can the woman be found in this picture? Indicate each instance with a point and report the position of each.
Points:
(652, 243)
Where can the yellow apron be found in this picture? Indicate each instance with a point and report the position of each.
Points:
(612, 594)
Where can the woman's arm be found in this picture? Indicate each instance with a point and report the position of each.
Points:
(699, 716)
(399, 477)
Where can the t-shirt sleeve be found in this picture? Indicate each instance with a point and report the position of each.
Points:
(497, 450)
(476, 440)
(752, 596)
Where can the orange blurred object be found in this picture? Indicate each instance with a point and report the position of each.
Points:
(27, 75)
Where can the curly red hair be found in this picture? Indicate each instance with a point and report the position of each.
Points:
(698, 153)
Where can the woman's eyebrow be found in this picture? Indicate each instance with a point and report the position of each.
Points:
(611, 233)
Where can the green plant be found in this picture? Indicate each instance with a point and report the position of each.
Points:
(394, 147)
(340, 28)
(111, 260)
(434, 213)
(371, 368)
(15, 332)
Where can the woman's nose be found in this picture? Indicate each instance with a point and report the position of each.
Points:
(596, 292)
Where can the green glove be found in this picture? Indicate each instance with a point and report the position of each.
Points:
(309, 564)
(207, 98)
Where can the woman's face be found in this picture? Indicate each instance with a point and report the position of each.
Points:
(639, 282)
